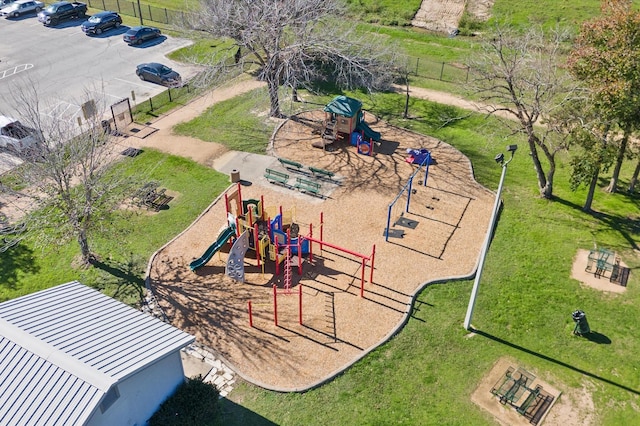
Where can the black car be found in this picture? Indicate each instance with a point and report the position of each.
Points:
(100, 22)
(158, 73)
(140, 34)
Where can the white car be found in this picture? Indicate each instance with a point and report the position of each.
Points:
(15, 136)
(21, 7)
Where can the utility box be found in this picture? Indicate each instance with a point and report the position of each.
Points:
(582, 326)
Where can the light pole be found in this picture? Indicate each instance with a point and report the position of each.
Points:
(487, 241)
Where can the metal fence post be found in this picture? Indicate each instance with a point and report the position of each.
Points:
(417, 62)
(442, 72)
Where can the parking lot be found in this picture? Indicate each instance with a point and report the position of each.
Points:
(67, 67)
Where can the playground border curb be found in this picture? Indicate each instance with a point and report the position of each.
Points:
(409, 306)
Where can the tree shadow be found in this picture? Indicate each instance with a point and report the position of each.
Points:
(626, 226)
(122, 280)
(18, 258)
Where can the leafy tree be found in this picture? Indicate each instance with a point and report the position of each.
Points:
(590, 135)
(517, 74)
(606, 57)
(65, 178)
(296, 43)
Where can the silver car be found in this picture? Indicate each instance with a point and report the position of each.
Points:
(21, 7)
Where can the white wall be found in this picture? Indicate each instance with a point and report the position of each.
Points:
(142, 394)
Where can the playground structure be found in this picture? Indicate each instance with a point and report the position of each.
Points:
(344, 120)
(422, 158)
(512, 388)
(274, 236)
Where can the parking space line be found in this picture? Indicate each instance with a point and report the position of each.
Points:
(15, 70)
(135, 83)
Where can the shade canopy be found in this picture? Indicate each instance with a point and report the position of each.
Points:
(343, 105)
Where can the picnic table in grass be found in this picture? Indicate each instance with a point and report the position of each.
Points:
(150, 196)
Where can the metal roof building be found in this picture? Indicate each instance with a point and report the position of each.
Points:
(71, 355)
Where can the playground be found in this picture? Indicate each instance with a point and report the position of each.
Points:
(354, 291)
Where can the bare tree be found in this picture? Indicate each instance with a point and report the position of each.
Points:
(519, 74)
(65, 176)
(296, 43)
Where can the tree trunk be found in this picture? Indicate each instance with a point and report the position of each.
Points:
(543, 185)
(87, 256)
(634, 179)
(613, 183)
(274, 100)
(592, 189)
(405, 115)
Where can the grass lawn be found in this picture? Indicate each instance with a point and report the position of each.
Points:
(125, 245)
(241, 123)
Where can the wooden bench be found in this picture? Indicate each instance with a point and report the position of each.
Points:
(321, 173)
(288, 164)
(276, 176)
(307, 186)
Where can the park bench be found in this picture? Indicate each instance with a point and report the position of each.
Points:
(288, 164)
(276, 176)
(307, 186)
(321, 173)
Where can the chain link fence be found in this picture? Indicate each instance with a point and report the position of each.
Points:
(443, 71)
(139, 10)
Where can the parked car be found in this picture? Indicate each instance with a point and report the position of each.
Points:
(140, 34)
(15, 136)
(101, 22)
(158, 73)
(61, 10)
(21, 7)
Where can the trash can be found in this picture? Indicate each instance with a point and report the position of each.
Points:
(582, 326)
(235, 176)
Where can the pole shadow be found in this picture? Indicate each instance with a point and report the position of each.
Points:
(555, 361)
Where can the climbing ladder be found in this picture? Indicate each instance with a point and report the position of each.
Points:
(287, 271)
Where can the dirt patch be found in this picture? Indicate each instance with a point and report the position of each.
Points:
(444, 15)
(570, 407)
(589, 278)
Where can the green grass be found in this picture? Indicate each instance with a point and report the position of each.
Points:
(385, 12)
(240, 123)
(125, 245)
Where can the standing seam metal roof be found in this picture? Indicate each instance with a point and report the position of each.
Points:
(62, 348)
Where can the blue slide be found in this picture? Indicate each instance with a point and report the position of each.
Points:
(213, 248)
(369, 133)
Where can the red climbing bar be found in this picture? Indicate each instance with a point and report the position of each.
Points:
(275, 305)
(250, 315)
(300, 303)
(373, 258)
(362, 278)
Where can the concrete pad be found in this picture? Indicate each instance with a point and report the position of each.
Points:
(250, 166)
(194, 366)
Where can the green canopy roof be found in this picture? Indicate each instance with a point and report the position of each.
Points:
(343, 105)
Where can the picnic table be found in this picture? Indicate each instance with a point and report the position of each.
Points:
(151, 197)
(603, 259)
